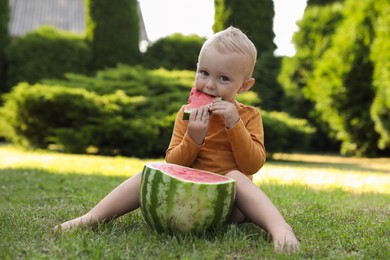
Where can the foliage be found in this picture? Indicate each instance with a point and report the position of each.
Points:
(283, 133)
(337, 78)
(110, 113)
(174, 52)
(313, 38)
(113, 32)
(266, 85)
(124, 110)
(322, 2)
(46, 53)
(342, 84)
(380, 56)
(332, 218)
(249, 98)
(255, 18)
(4, 41)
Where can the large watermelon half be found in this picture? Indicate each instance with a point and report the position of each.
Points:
(196, 100)
(177, 198)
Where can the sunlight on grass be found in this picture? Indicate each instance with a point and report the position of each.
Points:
(14, 158)
(322, 172)
(328, 172)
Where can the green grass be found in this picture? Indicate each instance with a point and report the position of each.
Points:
(339, 208)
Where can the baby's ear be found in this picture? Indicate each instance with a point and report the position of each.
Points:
(246, 86)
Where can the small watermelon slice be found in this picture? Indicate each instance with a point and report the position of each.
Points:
(196, 100)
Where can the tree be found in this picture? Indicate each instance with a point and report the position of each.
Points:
(313, 38)
(4, 40)
(255, 18)
(380, 56)
(113, 32)
(342, 85)
(174, 52)
(322, 2)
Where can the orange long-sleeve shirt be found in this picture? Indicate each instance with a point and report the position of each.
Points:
(238, 148)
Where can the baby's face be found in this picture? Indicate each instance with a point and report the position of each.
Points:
(221, 74)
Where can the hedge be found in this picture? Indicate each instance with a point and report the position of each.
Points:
(46, 53)
(283, 133)
(126, 111)
(174, 52)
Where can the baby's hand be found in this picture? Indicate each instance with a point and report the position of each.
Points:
(198, 124)
(228, 110)
(284, 239)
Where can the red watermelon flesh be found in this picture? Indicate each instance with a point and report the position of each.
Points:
(196, 100)
(189, 174)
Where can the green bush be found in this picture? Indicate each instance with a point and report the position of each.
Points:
(133, 116)
(79, 115)
(282, 133)
(46, 53)
(174, 52)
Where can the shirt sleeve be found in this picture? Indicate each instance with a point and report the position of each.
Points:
(247, 142)
(182, 149)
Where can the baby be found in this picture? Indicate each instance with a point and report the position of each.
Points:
(227, 141)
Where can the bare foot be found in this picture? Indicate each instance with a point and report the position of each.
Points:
(83, 221)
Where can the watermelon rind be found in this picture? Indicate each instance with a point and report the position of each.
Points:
(187, 112)
(186, 115)
(170, 204)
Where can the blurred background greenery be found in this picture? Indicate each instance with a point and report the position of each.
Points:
(98, 93)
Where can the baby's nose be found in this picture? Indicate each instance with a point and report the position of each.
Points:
(210, 84)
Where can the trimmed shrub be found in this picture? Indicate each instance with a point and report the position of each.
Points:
(266, 73)
(133, 116)
(113, 31)
(283, 133)
(174, 52)
(46, 53)
(79, 115)
(254, 17)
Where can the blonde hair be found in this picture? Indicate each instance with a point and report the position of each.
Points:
(233, 40)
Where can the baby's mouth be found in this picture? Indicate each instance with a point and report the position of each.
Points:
(211, 95)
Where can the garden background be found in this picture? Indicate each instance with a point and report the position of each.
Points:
(97, 94)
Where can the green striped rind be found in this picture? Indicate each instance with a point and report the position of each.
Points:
(186, 115)
(169, 204)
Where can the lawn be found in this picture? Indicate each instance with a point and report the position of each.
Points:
(339, 208)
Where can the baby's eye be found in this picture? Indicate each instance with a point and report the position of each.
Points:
(204, 73)
(224, 78)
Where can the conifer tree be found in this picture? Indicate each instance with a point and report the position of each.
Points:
(113, 32)
(4, 40)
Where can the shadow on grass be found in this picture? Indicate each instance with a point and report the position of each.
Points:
(382, 166)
